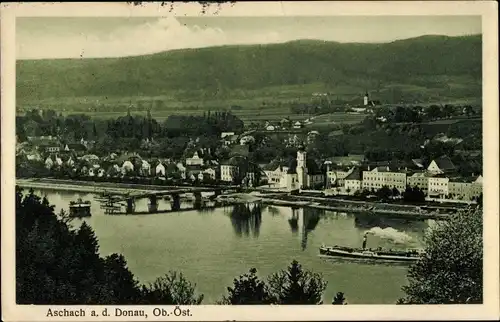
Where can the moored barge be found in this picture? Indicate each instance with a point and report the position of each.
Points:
(79, 208)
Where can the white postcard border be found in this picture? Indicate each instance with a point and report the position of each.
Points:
(487, 9)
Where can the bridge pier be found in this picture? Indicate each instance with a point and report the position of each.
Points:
(130, 206)
(153, 203)
(197, 200)
(176, 201)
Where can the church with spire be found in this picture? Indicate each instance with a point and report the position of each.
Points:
(302, 172)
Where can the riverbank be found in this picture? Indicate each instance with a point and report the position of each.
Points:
(399, 211)
(77, 186)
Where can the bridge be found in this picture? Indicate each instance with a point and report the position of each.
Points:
(112, 202)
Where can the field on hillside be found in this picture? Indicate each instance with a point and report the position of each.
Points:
(256, 77)
(247, 116)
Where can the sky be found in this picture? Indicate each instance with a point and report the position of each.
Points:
(91, 37)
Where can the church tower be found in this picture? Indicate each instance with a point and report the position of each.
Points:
(302, 167)
(365, 99)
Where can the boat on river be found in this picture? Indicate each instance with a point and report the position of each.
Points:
(370, 254)
(79, 208)
(408, 255)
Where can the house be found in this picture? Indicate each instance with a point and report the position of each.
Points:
(49, 163)
(75, 147)
(285, 123)
(311, 136)
(230, 139)
(114, 170)
(349, 160)
(418, 163)
(368, 102)
(290, 180)
(195, 160)
(353, 181)
(204, 177)
(145, 169)
(438, 186)
(336, 177)
(229, 170)
(384, 176)
(160, 170)
(193, 170)
(90, 159)
(275, 171)
(240, 151)
(50, 147)
(127, 167)
(441, 165)
(297, 125)
(358, 109)
(419, 180)
(211, 172)
(182, 170)
(101, 172)
(226, 134)
(467, 189)
(58, 161)
(70, 162)
(247, 139)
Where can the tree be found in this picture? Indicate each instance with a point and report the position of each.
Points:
(172, 288)
(384, 193)
(296, 285)
(56, 264)
(451, 270)
(248, 289)
(339, 299)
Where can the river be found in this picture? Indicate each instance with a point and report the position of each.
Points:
(213, 247)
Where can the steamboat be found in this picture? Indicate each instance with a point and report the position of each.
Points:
(410, 255)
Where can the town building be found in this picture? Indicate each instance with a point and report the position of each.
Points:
(195, 160)
(353, 181)
(229, 170)
(438, 186)
(182, 170)
(336, 177)
(275, 171)
(467, 189)
(308, 172)
(441, 165)
(420, 180)
(160, 170)
(378, 177)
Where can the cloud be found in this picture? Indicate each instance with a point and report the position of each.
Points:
(150, 37)
(56, 38)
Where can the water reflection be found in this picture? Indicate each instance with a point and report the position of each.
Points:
(311, 218)
(368, 221)
(246, 219)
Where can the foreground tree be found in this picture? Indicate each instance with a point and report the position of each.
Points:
(339, 299)
(248, 289)
(451, 271)
(296, 285)
(58, 264)
(172, 288)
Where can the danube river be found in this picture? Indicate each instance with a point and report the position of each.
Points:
(213, 247)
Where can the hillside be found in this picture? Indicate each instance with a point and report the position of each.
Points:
(441, 66)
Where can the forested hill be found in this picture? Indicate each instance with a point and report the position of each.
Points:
(428, 61)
